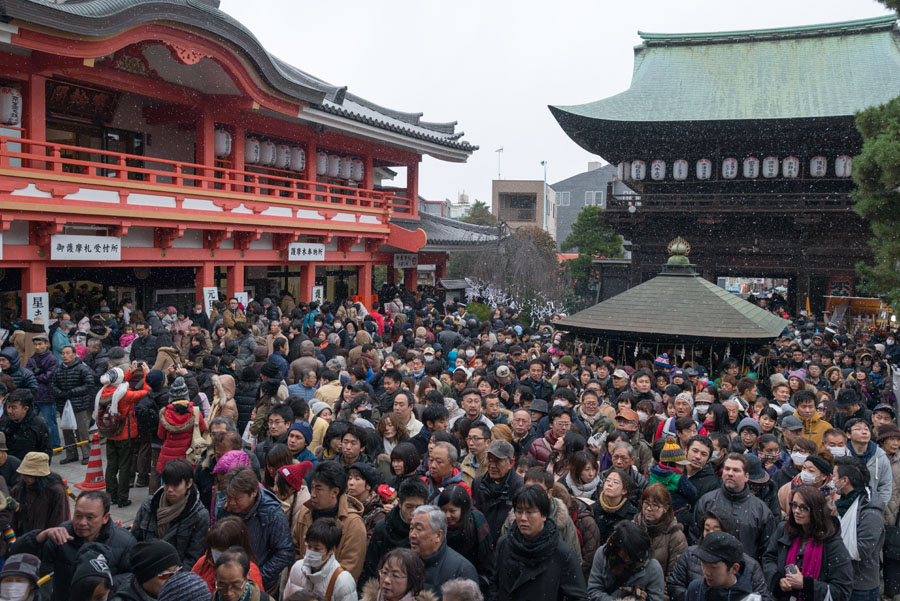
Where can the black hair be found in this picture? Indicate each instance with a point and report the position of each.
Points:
(532, 496)
(804, 396)
(629, 537)
(335, 430)
(704, 440)
(22, 396)
(558, 411)
(358, 433)
(436, 412)
(97, 495)
(177, 471)
(326, 531)
(393, 374)
(298, 406)
(283, 411)
(457, 496)
(278, 343)
(684, 423)
(235, 555)
(854, 470)
(331, 474)
(412, 488)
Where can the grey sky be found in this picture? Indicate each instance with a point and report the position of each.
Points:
(495, 66)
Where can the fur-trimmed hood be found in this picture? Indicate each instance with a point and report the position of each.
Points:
(173, 420)
(370, 593)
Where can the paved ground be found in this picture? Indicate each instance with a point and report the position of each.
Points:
(75, 472)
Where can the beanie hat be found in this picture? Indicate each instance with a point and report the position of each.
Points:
(567, 361)
(672, 453)
(800, 374)
(846, 397)
(178, 391)
(184, 585)
(151, 558)
(748, 422)
(271, 370)
(367, 472)
(91, 562)
(231, 460)
(155, 378)
(25, 565)
(270, 387)
(662, 361)
(116, 352)
(823, 465)
(686, 397)
(303, 428)
(113, 377)
(317, 407)
(294, 474)
(35, 464)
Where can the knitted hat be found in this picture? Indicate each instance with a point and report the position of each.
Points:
(184, 585)
(672, 453)
(846, 397)
(92, 562)
(568, 361)
(270, 387)
(35, 464)
(686, 397)
(886, 431)
(823, 465)
(231, 460)
(113, 377)
(303, 428)
(150, 558)
(24, 565)
(317, 407)
(749, 422)
(662, 361)
(368, 473)
(178, 391)
(155, 378)
(116, 352)
(294, 474)
(271, 370)
(800, 374)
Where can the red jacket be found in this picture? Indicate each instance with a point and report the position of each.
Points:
(206, 570)
(177, 432)
(126, 408)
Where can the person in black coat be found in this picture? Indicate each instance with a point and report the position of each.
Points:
(614, 503)
(533, 562)
(245, 395)
(493, 492)
(23, 426)
(73, 381)
(145, 346)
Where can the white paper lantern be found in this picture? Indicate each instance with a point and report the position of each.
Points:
(626, 171)
(751, 167)
(770, 167)
(620, 172)
(843, 166)
(346, 169)
(658, 170)
(251, 151)
(334, 165)
(267, 153)
(321, 163)
(818, 166)
(638, 170)
(790, 167)
(680, 170)
(298, 158)
(704, 169)
(729, 168)
(222, 143)
(283, 157)
(359, 170)
(10, 106)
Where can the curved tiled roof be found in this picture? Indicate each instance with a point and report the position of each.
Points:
(442, 231)
(103, 18)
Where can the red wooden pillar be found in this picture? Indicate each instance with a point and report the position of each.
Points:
(412, 188)
(34, 278)
(204, 278)
(365, 284)
(35, 121)
(410, 277)
(309, 174)
(237, 153)
(235, 275)
(307, 281)
(369, 172)
(205, 142)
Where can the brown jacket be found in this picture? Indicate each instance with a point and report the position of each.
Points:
(666, 545)
(351, 551)
(229, 318)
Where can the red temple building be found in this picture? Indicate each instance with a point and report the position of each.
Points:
(152, 148)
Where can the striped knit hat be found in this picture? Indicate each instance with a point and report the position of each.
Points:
(672, 453)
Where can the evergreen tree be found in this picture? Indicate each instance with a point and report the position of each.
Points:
(593, 239)
(480, 214)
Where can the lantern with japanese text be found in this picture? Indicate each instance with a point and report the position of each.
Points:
(770, 167)
(790, 167)
(321, 163)
(267, 153)
(843, 166)
(251, 151)
(704, 169)
(334, 165)
(10, 106)
(638, 170)
(680, 170)
(729, 168)
(346, 168)
(818, 166)
(358, 170)
(751, 167)
(222, 143)
(298, 158)
(658, 170)
(283, 157)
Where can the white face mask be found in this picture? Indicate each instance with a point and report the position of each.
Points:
(702, 409)
(642, 417)
(798, 458)
(838, 451)
(889, 341)
(313, 559)
(318, 324)
(337, 324)
(13, 591)
(429, 357)
(470, 353)
(807, 478)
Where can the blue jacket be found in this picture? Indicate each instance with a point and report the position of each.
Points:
(22, 378)
(281, 362)
(42, 367)
(270, 536)
(59, 341)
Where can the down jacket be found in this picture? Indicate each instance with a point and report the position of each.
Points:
(73, 382)
(176, 429)
(187, 533)
(30, 434)
(754, 518)
(687, 569)
(63, 559)
(22, 378)
(42, 367)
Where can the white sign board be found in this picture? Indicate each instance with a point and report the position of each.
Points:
(1, 247)
(306, 251)
(243, 298)
(65, 247)
(318, 294)
(38, 305)
(210, 295)
(406, 261)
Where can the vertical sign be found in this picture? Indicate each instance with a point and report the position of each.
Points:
(242, 298)
(37, 306)
(318, 294)
(210, 295)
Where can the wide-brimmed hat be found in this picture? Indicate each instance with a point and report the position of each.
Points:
(35, 464)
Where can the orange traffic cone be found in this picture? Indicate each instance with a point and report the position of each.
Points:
(94, 479)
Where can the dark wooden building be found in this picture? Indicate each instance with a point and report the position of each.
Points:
(743, 141)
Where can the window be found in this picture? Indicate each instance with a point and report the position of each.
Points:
(517, 207)
(563, 198)
(595, 198)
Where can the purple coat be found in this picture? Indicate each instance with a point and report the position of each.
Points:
(43, 366)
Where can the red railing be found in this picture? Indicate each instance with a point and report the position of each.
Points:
(273, 186)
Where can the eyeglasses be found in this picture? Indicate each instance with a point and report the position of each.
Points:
(169, 573)
(276, 422)
(564, 424)
(474, 438)
(653, 506)
(799, 507)
(231, 586)
(392, 574)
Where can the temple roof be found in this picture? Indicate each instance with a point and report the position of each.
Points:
(449, 234)
(828, 70)
(104, 18)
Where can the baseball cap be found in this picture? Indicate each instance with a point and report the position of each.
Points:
(885, 407)
(620, 373)
(791, 422)
(720, 546)
(628, 414)
(501, 449)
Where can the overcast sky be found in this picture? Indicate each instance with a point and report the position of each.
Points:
(494, 66)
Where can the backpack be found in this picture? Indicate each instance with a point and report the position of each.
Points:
(147, 416)
(109, 425)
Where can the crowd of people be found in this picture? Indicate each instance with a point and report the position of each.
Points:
(412, 451)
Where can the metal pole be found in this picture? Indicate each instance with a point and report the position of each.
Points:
(544, 165)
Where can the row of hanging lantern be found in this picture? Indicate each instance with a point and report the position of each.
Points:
(769, 168)
(333, 165)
